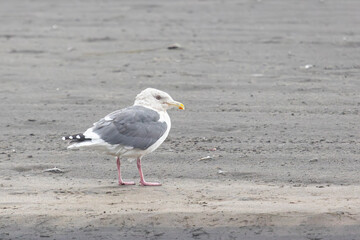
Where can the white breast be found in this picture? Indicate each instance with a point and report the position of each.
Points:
(164, 117)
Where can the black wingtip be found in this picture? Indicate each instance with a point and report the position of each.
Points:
(76, 138)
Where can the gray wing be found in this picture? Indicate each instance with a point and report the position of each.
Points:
(135, 126)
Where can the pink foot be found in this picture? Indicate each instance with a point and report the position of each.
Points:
(121, 182)
(142, 180)
(126, 183)
(143, 183)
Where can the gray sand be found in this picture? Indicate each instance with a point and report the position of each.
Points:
(271, 86)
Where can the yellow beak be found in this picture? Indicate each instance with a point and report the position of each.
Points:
(177, 104)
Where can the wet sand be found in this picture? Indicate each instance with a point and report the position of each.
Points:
(271, 91)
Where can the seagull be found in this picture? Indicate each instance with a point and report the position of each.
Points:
(132, 132)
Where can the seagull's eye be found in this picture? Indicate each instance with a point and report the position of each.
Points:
(158, 97)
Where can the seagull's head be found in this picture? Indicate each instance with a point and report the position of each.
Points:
(157, 99)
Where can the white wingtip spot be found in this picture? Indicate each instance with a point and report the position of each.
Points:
(63, 138)
(70, 137)
(78, 136)
(107, 118)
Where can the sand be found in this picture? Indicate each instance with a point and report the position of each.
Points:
(271, 90)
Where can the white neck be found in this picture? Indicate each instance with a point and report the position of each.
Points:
(143, 103)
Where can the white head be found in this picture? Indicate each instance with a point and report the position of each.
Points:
(156, 99)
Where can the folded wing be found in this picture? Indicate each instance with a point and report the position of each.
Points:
(135, 126)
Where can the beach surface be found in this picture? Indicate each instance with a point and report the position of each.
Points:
(267, 148)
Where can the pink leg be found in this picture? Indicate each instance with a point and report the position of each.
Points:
(142, 180)
(121, 182)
